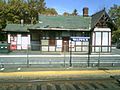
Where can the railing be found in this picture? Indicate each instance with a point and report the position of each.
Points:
(30, 58)
(59, 60)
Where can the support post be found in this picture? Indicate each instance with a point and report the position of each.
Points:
(89, 54)
(71, 54)
(64, 52)
(99, 58)
(28, 57)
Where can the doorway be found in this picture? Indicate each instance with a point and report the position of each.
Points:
(65, 44)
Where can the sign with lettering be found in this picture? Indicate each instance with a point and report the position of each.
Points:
(78, 39)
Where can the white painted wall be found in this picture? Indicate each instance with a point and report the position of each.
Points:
(98, 41)
(29, 44)
(44, 44)
(59, 43)
(102, 29)
(13, 41)
(106, 39)
(25, 42)
(20, 41)
(8, 38)
(71, 45)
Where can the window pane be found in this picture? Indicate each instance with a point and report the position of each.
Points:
(51, 42)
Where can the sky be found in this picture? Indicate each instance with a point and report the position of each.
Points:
(62, 6)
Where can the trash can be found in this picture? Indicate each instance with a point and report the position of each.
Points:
(4, 47)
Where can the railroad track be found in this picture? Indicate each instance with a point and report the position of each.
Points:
(83, 84)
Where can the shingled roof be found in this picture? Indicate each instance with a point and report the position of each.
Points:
(63, 22)
(16, 28)
(72, 23)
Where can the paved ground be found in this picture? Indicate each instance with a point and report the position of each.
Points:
(39, 59)
(79, 78)
(29, 52)
(59, 59)
(116, 51)
(58, 74)
(29, 69)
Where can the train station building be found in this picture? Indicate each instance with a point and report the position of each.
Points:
(64, 33)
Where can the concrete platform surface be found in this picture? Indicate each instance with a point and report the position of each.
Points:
(58, 75)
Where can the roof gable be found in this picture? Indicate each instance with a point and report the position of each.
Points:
(96, 17)
(100, 16)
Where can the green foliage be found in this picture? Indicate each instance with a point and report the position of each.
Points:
(2, 23)
(50, 11)
(115, 36)
(66, 14)
(74, 13)
(14, 11)
(114, 13)
(3, 37)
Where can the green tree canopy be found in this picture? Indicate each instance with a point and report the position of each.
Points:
(114, 13)
(13, 11)
(66, 14)
(74, 13)
(50, 11)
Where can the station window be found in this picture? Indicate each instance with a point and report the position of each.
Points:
(13, 37)
(52, 42)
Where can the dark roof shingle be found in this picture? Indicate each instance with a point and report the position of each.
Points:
(63, 22)
(16, 28)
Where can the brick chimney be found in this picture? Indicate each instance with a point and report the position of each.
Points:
(85, 12)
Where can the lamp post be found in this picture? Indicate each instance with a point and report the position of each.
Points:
(64, 52)
(99, 58)
(28, 57)
(71, 53)
(89, 54)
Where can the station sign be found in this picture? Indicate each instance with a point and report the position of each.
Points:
(78, 39)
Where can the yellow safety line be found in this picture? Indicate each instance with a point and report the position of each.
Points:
(40, 74)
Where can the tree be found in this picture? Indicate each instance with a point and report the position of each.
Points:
(74, 12)
(2, 23)
(13, 11)
(114, 13)
(2, 14)
(66, 14)
(116, 36)
(50, 11)
(41, 6)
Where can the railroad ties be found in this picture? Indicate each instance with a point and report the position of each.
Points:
(63, 85)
